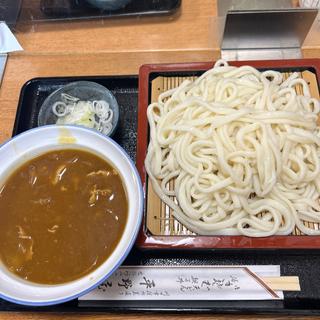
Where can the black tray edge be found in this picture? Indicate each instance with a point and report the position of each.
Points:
(33, 81)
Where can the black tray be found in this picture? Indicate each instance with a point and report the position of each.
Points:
(80, 9)
(305, 266)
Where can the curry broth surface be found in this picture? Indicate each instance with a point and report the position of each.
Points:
(61, 216)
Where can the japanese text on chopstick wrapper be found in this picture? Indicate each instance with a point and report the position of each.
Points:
(183, 283)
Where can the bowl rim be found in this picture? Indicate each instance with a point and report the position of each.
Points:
(135, 232)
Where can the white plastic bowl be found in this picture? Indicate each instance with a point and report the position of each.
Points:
(43, 139)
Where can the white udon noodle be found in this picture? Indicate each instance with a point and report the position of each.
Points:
(243, 150)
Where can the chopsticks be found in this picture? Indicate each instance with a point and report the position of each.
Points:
(291, 283)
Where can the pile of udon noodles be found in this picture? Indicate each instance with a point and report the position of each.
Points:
(242, 148)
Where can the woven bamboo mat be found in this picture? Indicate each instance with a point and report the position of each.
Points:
(160, 220)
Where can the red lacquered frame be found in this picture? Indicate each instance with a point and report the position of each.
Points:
(148, 241)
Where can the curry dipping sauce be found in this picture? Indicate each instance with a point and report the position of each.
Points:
(61, 216)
